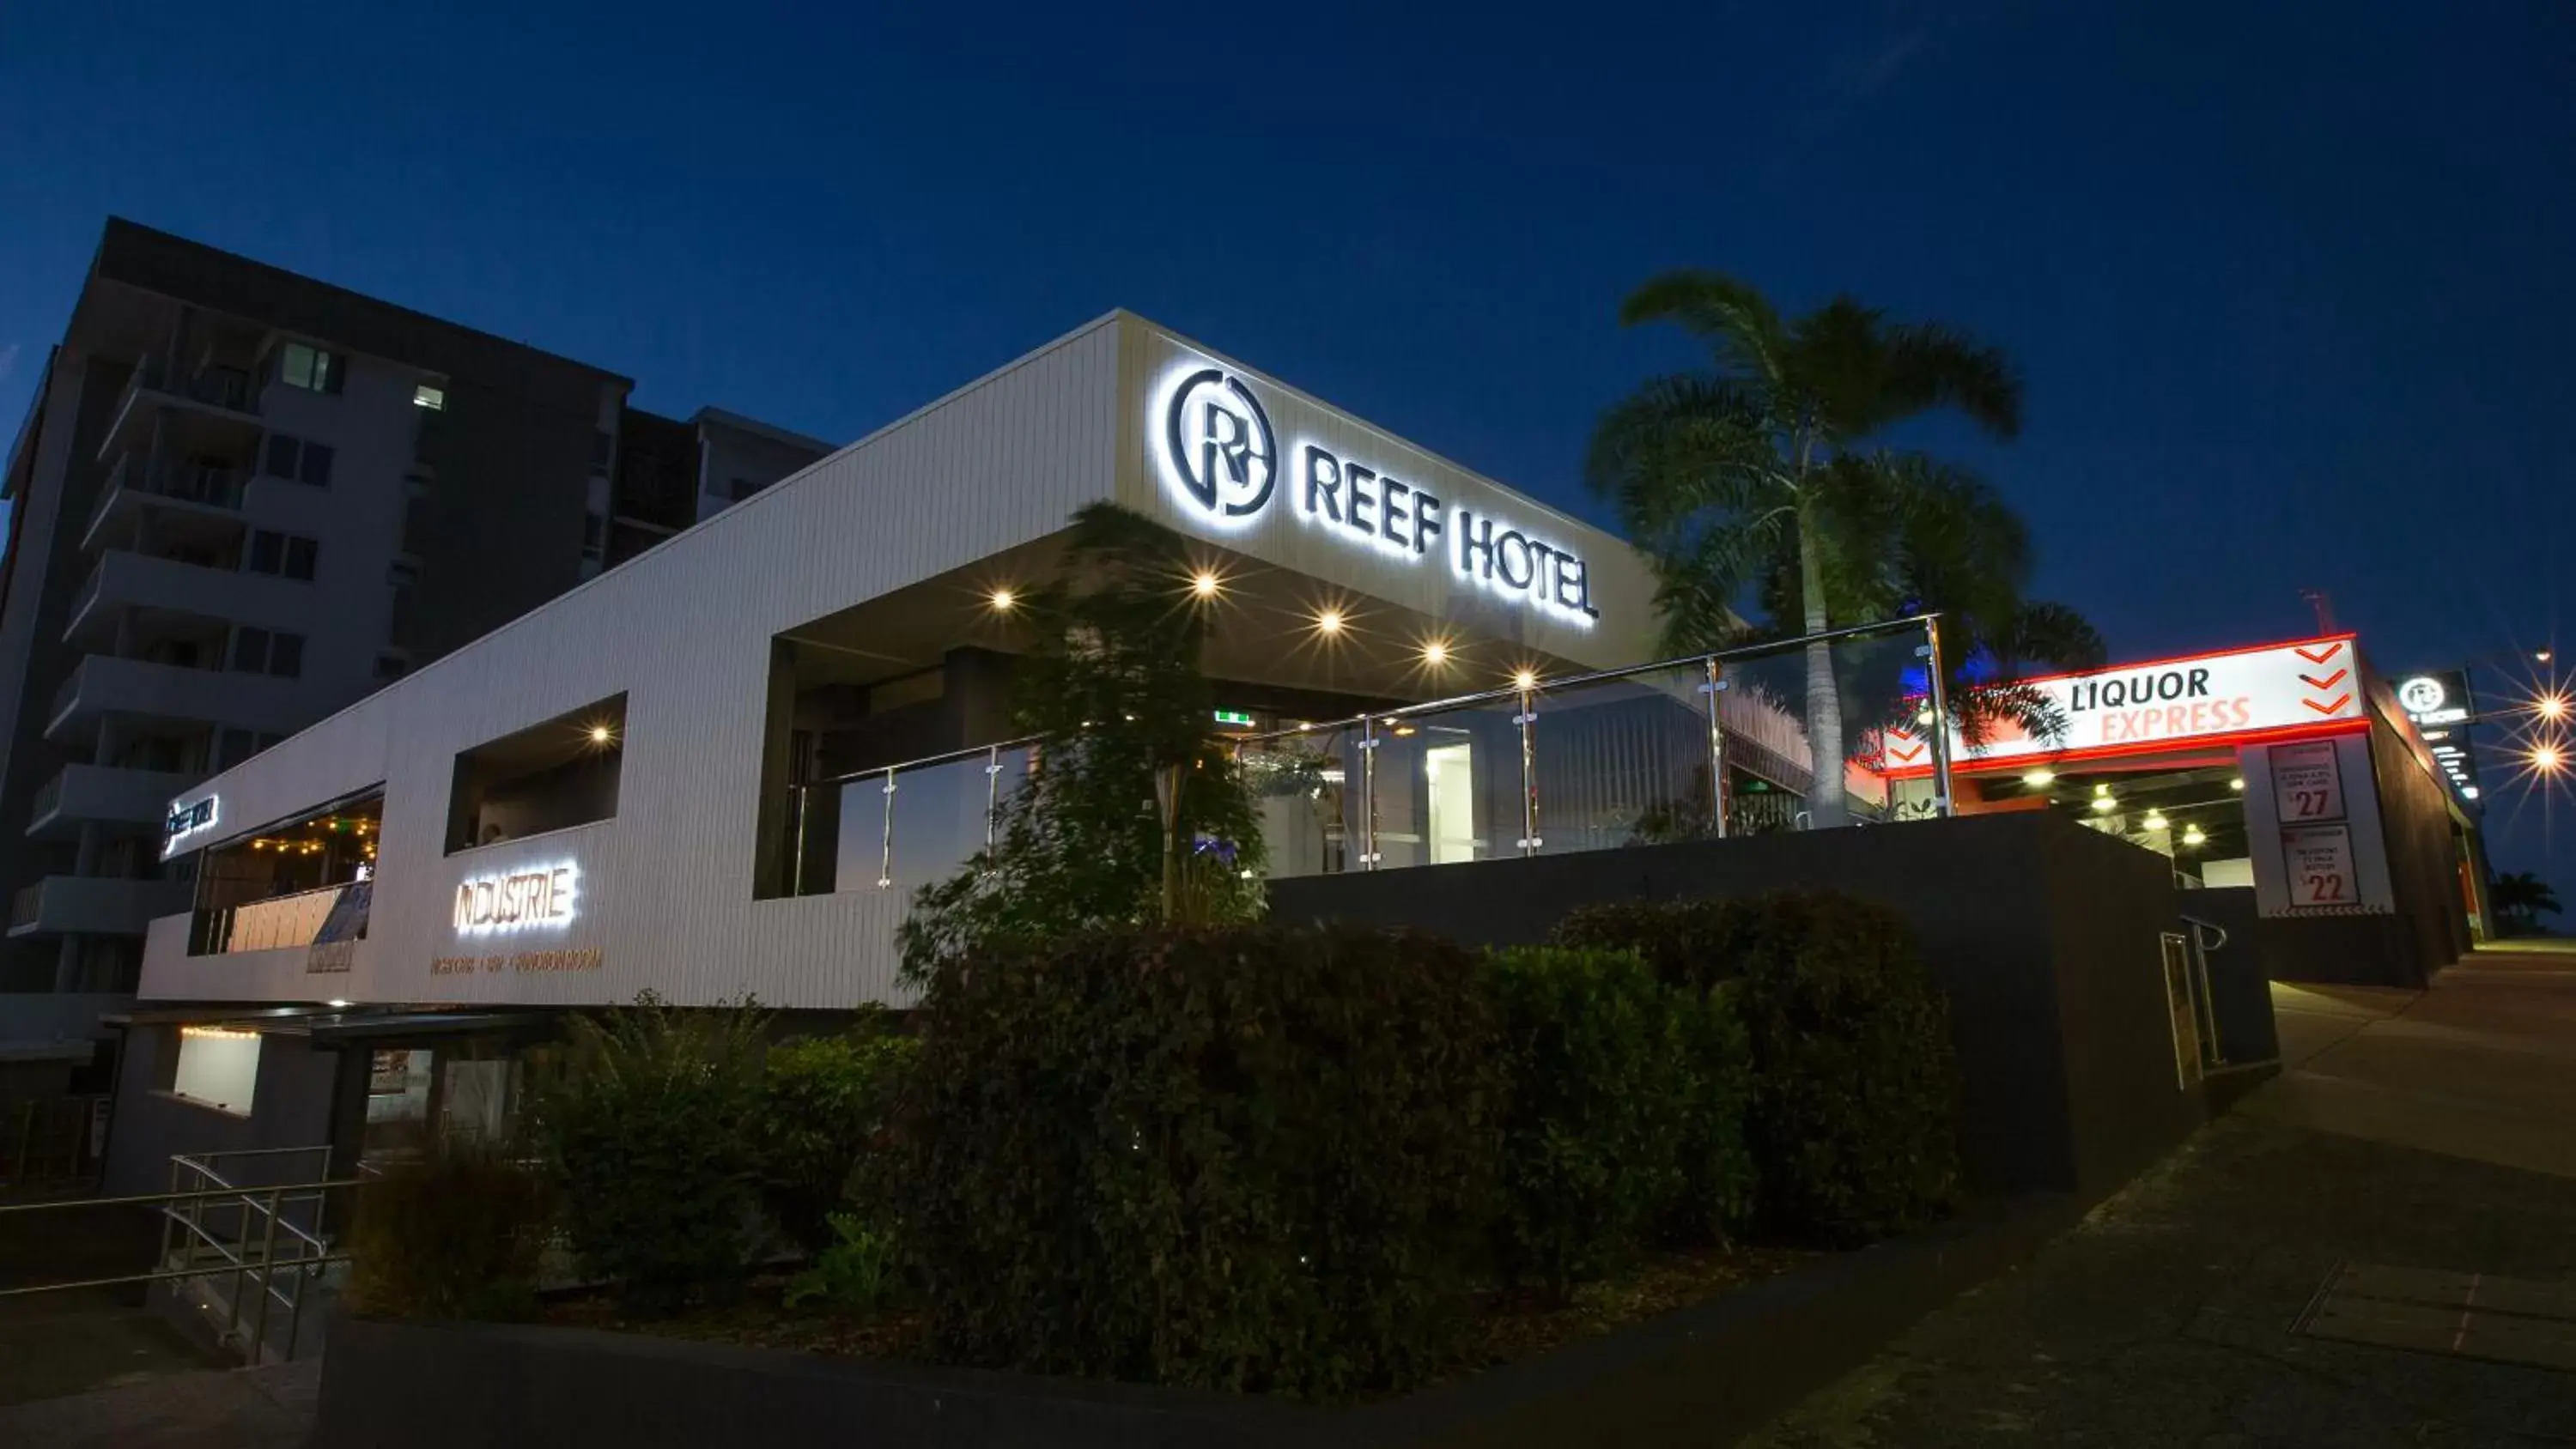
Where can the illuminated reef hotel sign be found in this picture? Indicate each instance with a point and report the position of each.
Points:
(1221, 458)
(518, 900)
(2205, 698)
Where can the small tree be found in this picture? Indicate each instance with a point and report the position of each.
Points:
(2519, 900)
(1133, 812)
(648, 1132)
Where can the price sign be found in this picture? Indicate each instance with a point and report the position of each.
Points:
(2321, 866)
(2307, 783)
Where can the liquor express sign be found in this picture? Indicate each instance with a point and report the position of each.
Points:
(2205, 698)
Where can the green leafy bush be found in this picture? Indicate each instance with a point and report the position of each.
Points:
(649, 1129)
(1254, 1158)
(1718, 1176)
(857, 1271)
(826, 1100)
(454, 1233)
(1853, 1123)
(1600, 1082)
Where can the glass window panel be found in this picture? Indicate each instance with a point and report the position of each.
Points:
(1306, 789)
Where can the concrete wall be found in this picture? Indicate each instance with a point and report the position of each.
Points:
(2044, 935)
(291, 1107)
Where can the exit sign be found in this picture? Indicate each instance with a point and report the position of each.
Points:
(1234, 717)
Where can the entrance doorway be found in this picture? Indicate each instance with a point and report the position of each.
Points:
(1449, 787)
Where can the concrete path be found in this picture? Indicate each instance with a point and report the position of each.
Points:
(2415, 1130)
(264, 1408)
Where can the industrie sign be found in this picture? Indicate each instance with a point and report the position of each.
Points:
(2204, 698)
(516, 900)
(1222, 460)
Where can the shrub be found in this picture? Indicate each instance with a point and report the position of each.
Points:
(454, 1233)
(1253, 1158)
(856, 1271)
(1853, 1123)
(648, 1129)
(1718, 1176)
(826, 1100)
(1600, 1088)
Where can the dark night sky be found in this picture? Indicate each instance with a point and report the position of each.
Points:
(2291, 285)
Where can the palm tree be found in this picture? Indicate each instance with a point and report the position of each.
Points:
(1764, 472)
(2519, 899)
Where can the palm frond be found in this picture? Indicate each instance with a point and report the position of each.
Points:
(1732, 316)
(1934, 365)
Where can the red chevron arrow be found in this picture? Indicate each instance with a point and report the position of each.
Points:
(2329, 682)
(2315, 658)
(1907, 757)
(2340, 701)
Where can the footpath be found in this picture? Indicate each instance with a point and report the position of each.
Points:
(2378, 1247)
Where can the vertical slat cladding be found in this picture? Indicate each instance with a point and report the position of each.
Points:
(684, 633)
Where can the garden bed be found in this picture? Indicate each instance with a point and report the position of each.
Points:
(1701, 1374)
(1506, 1326)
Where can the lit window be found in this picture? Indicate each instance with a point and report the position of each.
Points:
(432, 398)
(217, 1066)
(309, 368)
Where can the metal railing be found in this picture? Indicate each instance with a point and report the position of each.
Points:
(261, 1260)
(47, 1141)
(26, 904)
(1539, 766)
(265, 925)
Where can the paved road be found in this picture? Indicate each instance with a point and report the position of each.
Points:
(2427, 1130)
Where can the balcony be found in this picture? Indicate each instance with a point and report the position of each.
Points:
(82, 794)
(221, 399)
(164, 589)
(274, 923)
(104, 685)
(187, 501)
(85, 905)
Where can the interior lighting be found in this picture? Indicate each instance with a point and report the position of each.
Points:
(1329, 623)
(2194, 835)
(2104, 804)
(336, 1004)
(599, 734)
(2237, 784)
(2155, 820)
(1003, 601)
(2040, 779)
(217, 1033)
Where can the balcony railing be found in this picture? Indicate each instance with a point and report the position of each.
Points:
(221, 387)
(1708, 746)
(267, 925)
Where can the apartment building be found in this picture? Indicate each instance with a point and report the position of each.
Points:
(240, 500)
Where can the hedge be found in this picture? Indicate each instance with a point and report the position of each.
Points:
(1853, 1123)
(825, 1101)
(1253, 1159)
(1624, 1112)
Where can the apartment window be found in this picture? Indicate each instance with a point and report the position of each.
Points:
(603, 449)
(310, 368)
(297, 460)
(430, 396)
(233, 747)
(268, 651)
(282, 553)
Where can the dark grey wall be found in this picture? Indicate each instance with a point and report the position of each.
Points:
(2044, 935)
(290, 1107)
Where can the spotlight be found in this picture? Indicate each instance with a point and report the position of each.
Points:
(1003, 600)
(1435, 653)
(2041, 778)
(2104, 804)
(1329, 622)
(2552, 707)
(1525, 679)
(2237, 784)
(1206, 584)
(2102, 787)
